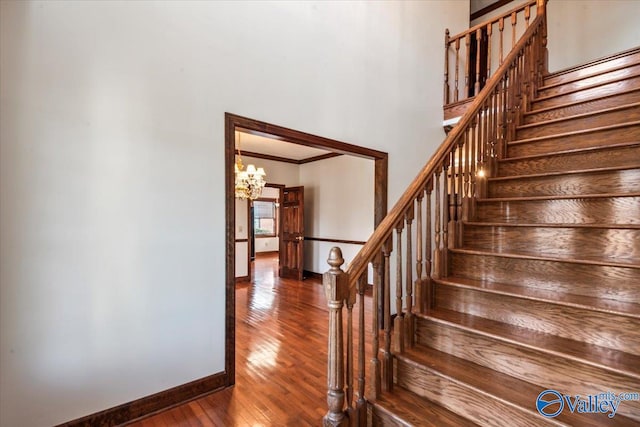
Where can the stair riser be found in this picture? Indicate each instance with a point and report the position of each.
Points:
(580, 123)
(614, 210)
(615, 157)
(598, 68)
(603, 329)
(608, 245)
(462, 399)
(617, 283)
(588, 94)
(531, 365)
(626, 72)
(605, 182)
(583, 107)
(599, 138)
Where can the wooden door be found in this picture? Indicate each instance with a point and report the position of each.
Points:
(291, 249)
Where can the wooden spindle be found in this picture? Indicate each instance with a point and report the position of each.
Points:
(408, 317)
(514, 21)
(446, 67)
(460, 193)
(476, 88)
(489, 42)
(360, 413)
(527, 14)
(427, 262)
(445, 217)
(437, 262)
(398, 324)
(501, 30)
(419, 285)
(466, 186)
(350, 302)
(387, 358)
(378, 273)
(335, 283)
(456, 94)
(467, 68)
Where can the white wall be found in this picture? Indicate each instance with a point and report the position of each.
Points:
(242, 232)
(580, 31)
(338, 200)
(112, 169)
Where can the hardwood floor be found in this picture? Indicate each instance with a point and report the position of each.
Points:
(281, 354)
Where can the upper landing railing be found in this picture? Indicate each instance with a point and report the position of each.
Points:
(472, 56)
(429, 215)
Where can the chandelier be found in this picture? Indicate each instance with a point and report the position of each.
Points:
(249, 182)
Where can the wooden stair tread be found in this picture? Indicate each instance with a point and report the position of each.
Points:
(507, 389)
(557, 197)
(543, 295)
(576, 132)
(575, 103)
(598, 356)
(587, 87)
(596, 62)
(585, 77)
(565, 172)
(553, 225)
(570, 151)
(556, 258)
(411, 409)
(579, 116)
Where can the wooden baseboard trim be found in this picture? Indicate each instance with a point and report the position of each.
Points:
(149, 405)
(243, 279)
(312, 274)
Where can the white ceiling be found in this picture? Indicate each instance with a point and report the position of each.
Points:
(275, 147)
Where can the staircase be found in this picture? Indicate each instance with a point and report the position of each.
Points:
(544, 290)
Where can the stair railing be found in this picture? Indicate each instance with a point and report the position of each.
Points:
(440, 199)
(478, 51)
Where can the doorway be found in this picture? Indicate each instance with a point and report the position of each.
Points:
(234, 123)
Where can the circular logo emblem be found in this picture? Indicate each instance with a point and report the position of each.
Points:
(549, 403)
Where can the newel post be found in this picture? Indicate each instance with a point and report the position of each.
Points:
(336, 288)
(541, 9)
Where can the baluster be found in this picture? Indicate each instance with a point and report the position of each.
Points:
(501, 29)
(335, 283)
(460, 192)
(446, 66)
(527, 14)
(378, 272)
(473, 164)
(350, 302)
(445, 216)
(476, 89)
(408, 317)
(514, 20)
(419, 285)
(361, 404)
(467, 68)
(398, 324)
(489, 42)
(502, 143)
(437, 261)
(467, 172)
(387, 358)
(456, 94)
(427, 262)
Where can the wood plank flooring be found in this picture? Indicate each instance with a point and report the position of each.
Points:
(281, 353)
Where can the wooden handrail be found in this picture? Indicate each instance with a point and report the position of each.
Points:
(493, 20)
(380, 235)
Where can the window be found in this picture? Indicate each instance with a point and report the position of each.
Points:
(265, 218)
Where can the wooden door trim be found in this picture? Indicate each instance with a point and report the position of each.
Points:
(234, 122)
